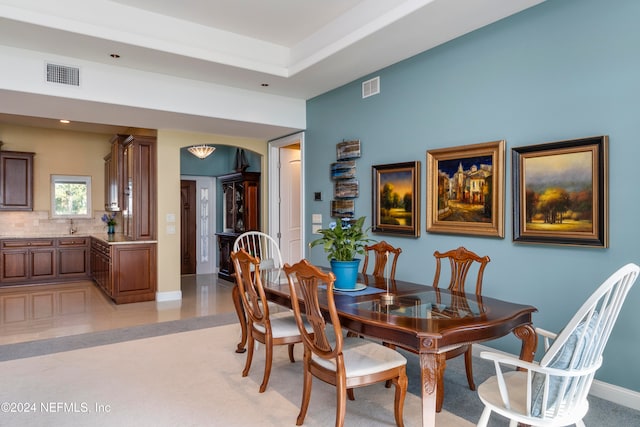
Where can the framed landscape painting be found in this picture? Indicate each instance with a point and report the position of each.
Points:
(465, 189)
(560, 192)
(396, 198)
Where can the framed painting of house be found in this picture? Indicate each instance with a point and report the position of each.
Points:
(465, 189)
(560, 193)
(396, 199)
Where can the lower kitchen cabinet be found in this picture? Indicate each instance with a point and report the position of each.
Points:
(27, 261)
(73, 257)
(126, 272)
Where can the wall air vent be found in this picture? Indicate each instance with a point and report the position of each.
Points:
(63, 74)
(371, 87)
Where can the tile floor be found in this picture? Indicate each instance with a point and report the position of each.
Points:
(30, 313)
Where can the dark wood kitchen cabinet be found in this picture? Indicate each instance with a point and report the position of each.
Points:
(16, 181)
(43, 260)
(139, 187)
(126, 272)
(113, 180)
(73, 257)
(27, 260)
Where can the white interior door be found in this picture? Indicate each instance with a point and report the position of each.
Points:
(290, 224)
(286, 193)
(206, 254)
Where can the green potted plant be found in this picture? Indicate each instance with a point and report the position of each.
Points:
(342, 241)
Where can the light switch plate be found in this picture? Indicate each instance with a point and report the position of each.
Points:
(315, 228)
(171, 217)
(316, 218)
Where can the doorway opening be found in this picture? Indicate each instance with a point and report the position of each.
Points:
(197, 225)
(286, 190)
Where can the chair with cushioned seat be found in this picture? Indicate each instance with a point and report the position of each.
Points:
(382, 250)
(264, 247)
(553, 392)
(268, 330)
(329, 356)
(260, 245)
(461, 261)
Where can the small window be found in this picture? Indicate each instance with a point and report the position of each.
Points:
(70, 196)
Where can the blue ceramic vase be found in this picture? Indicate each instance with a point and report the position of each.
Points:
(346, 273)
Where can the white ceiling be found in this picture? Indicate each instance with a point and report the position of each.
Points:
(299, 48)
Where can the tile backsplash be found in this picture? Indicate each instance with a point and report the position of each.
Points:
(38, 223)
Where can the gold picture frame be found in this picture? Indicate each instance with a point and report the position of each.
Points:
(465, 189)
(560, 193)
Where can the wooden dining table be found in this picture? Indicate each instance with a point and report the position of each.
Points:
(416, 317)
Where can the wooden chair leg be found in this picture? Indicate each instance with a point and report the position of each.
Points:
(401, 384)
(484, 418)
(247, 364)
(350, 394)
(268, 348)
(306, 394)
(242, 318)
(291, 358)
(468, 362)
(341, 401)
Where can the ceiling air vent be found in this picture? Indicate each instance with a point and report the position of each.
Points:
(63, 74)
(371, 87)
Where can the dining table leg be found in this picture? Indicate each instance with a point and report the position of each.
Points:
(431, 366)
(527, 334)
(242, 318)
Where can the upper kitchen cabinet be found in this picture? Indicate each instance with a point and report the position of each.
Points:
(16, 181)
(139, 187)
(113, 175)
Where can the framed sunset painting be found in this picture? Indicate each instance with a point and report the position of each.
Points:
(560, 192)
(396, 198)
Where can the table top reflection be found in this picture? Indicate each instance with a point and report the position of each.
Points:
(425, 305)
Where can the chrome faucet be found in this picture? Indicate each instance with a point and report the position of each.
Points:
(72, 229)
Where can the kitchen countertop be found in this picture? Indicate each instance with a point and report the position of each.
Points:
(120, 239)
(111, 239)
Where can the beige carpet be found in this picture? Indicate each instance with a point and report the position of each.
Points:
(183, 379)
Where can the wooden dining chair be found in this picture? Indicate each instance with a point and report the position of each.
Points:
(329, 356)
(264, 247)
(270, 331)
(382, 250)
(460, 260)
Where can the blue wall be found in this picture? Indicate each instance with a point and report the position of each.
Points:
(561, 70)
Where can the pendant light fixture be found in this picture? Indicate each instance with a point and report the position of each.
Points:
(201, 151)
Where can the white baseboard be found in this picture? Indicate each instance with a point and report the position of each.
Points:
(169, 296)
(612, 393)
